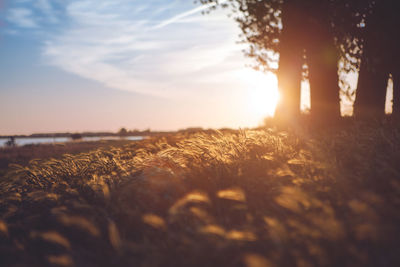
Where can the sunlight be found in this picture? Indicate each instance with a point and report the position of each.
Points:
(263, 94)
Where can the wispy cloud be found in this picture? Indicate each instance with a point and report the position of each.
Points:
(138, 53)
(46, 7)
(32, 14)
(21, 17)
(185, 14)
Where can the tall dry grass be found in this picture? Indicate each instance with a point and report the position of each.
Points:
(240, 198)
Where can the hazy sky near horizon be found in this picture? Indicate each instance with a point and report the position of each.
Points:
(94, 65)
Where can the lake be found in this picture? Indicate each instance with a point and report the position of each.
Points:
(52, 140)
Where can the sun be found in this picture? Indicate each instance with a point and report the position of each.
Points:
(262, 92)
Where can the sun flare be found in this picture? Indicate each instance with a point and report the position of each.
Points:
(263, 95)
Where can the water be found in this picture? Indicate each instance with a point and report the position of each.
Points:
(52, 140)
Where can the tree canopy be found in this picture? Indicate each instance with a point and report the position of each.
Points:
(261, 24)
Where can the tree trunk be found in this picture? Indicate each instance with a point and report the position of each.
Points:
(322, 59)
(371, 91)
(289, 80)
(305, 27)
(290, 65)
(375, 65)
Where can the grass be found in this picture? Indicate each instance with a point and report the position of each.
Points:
(236, 198)
(23, 154)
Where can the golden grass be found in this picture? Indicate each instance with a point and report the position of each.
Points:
(239, 198)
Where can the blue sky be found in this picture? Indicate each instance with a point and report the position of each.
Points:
(92, 65)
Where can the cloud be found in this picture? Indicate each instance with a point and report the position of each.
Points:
(185, 14)
(108, 44)
(180, 16)
(21, 17)
(46, 7)
(36, 15)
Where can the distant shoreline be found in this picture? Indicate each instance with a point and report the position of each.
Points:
(133, 133)
(69, 135)
(22, 141)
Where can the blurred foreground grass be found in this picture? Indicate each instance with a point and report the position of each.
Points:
(241, 198)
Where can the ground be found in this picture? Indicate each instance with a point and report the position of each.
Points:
(261, 197)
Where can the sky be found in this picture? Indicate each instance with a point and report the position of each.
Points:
(97, 65)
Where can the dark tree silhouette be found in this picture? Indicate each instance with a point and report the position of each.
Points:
(370, 97)
(379, 59)
(291, 50)
(322, 58)
(359, 34)
(11, 142)
(295, 29)
(123, 132)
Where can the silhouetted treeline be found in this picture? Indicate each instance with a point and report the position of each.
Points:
(66, 134)
(121, 132)
(320, 40)
(83, 134)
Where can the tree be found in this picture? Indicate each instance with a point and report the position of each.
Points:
(361, 34)
(291, 51)
(380, 58)
(11, 142)
(76, 136)
(295, 30)
(122, 132)
(322, 57)
(370, 94)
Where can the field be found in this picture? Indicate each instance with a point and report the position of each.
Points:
(261, 197)
(23, 154)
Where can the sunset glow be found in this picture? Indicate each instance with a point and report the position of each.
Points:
(263, 95)
(149, 64)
